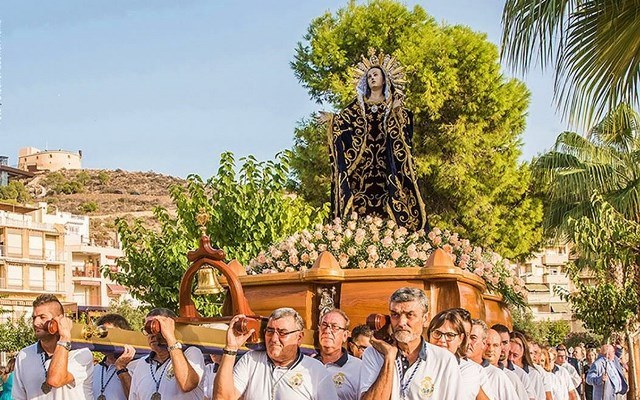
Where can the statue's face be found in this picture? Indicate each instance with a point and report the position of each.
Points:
(375, 78)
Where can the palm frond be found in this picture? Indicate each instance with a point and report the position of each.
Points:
(593, 44)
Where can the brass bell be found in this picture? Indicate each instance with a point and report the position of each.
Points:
(208, 282)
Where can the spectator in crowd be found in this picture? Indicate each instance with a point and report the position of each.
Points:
(447, 330)
(606, 375)
(172, 370)
(50, 366)
(333, 332)
(280, 372)
(522, 364)
(112, 376)
(359, 340)
(409, 367)
(591, 356)
(7, 380)
(562, 360)
(564, 389)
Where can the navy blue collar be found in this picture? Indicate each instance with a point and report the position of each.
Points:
(485, 363)
(40, 350)
(340, 362)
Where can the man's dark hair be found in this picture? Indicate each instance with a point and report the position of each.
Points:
(162, 312)
(361, 330)
(501, 328)
(47, 298)
(116, 320)
(561, 347)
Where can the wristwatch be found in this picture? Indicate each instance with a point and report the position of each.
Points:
(176, 345)
(66, 345)
(122, 371)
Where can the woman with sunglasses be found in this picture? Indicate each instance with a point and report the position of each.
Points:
(449, 329)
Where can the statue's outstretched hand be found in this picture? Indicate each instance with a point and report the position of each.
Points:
(323, 117)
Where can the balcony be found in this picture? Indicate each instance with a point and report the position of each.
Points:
(18, 223)
(560, 279)
(48, 256)
(87, 271)
(19, 285)
(555, 259)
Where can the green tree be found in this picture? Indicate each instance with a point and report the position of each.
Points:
(607, 246)
(15, 191)
(604, 162)
(133, 315)
(16, 334)
(248, 210)
(545, 332)
(468, 119)
(592, 45)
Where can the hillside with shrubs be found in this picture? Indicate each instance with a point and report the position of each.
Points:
(103, 195)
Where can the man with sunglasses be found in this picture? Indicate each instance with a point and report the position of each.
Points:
(360, 340)
(344, 368)
(279, 372)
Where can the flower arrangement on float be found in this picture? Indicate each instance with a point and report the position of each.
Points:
(372, 242)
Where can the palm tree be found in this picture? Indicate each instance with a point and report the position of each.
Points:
(593, 45)
(605, 162)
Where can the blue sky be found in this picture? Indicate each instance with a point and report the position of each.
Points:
(166, 85)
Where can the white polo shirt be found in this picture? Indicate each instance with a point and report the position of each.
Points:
(435, 375)
(499, 387)
(257, 378)
(532, 380)
(547, 379)
(575, 376)
(345, 373)
(207, 382)
(105, 376)
(472, 378)
(30, 374)
(517, 383)
(562, 383)
(143, 385)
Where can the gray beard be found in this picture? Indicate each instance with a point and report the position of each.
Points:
(404, 336)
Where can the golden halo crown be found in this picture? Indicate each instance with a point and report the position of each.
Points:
(393, 71)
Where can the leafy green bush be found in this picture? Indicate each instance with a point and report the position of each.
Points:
(248, 208)
(15, 191)
(15, 335)
(89, 206)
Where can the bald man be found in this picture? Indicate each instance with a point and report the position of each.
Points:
(497, 386)
(606, 375)
(492, 353)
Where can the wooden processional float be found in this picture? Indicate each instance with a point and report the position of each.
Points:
(362, 294)
(192, 329)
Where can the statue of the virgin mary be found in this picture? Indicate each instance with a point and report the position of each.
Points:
(370, 143)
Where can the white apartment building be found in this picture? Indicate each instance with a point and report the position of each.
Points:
(43, 252)
(544, 274)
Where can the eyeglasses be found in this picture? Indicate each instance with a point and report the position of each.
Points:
(449, 336)
(333, 327)
(360, 347)
(281, 333)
